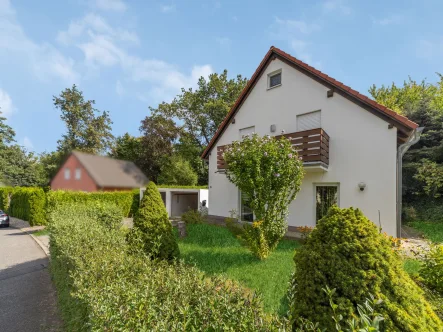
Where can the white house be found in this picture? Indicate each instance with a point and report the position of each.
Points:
(351, 146)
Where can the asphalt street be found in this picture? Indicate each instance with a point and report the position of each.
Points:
(27, 296)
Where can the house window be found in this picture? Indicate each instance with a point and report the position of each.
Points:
(78, 173)
(309, 121)
(67, 173)
(246, 213)
(274, 79)
(325, 196)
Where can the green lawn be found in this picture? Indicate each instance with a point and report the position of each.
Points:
(215, 251)
(431, 230)
(41, 232)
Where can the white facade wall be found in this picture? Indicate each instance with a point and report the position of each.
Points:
(361, 148)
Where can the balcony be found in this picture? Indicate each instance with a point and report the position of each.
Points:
(311, 145)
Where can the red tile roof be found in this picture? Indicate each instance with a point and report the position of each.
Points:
(397, 119)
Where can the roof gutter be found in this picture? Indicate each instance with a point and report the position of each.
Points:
(401, 150)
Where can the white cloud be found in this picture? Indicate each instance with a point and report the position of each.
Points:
(92, 24)
(44, 60)
(103, 47)
(6, 106)
(224, 42)
(112, 5)
(337, 6)
(393, 19)
(119, 88)
(27, 143)
(296, 33)
(296, 26)
(168, 8)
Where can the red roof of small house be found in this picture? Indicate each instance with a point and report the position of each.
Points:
(403, 124)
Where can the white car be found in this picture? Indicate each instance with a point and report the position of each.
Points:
(4, 219)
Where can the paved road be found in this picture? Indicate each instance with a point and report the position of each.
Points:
(27, 296)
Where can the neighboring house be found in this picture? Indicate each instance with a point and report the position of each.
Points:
(87, 172)
(351, 146)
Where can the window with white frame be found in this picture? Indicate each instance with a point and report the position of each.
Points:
(78, 173)
(246, 213)
(308, 121)
(274, 79)
(67, 173)
(326, 195)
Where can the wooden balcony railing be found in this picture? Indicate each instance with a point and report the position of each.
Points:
(311, 145)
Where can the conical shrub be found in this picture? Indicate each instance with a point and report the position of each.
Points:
(346, 252)
(152, 231)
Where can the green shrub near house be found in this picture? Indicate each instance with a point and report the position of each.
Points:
(152, 231)
(346, 252)
(103, 288)
(28, 204)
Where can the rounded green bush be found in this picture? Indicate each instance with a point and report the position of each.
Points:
(152, 230)
(346, 252)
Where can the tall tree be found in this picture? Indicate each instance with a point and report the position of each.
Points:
(158, 137)
(198, 113)
(88, 129)
(421, 102)
(18, 167)
(126, 147)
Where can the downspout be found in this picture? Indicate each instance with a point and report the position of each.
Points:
(401, 150)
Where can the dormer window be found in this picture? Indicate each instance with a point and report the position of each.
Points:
(274, 79)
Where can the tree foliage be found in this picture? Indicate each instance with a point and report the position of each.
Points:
(269, 172)
(88, 129)
(158, 136)
(346, 252)
(126, 147)
(421, 102)
(198, 113)
(18, 167)
(177, 171)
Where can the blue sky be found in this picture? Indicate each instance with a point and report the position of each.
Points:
(129, 55)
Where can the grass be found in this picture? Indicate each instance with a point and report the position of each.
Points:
(431, 230)
(41, 232)
(215, 251)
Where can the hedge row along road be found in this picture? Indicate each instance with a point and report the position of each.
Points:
(27, 296)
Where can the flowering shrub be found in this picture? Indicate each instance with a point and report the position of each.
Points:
(269, 172)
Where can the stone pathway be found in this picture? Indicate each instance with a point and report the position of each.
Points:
(413, 244)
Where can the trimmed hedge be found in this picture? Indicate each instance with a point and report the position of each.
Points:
(127, 201)
(5, 193)
(101, 287)
(28, 204)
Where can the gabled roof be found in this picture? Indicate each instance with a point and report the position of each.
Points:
(109, 172)
(403, 124)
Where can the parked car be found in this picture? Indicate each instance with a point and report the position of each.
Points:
(4, 219)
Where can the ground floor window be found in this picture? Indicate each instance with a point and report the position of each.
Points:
(246, 213)
(325, 197)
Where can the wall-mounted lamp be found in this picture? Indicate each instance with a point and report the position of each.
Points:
(362, 186)
(273, 128)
